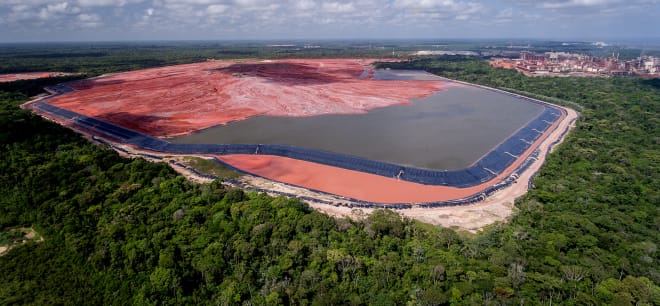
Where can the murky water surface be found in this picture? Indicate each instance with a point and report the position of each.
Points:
(448, 130)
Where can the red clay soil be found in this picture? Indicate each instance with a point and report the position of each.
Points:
(360, 185)
(177, 100)
(342, 182)
(28, 76)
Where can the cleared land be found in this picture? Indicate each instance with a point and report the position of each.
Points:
(10, 77)
(12, 238)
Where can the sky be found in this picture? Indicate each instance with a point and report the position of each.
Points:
(138, 20)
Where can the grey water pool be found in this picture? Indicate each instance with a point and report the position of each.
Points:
(450, 129)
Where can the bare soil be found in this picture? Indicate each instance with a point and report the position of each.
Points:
(29, 76)
(30, 235)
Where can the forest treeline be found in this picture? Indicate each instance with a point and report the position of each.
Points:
(126, 231)
(99, 58)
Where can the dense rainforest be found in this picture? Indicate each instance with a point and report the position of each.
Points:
(97, 58)
(121, 231)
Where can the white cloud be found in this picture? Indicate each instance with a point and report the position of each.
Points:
(505, 13)
(190, 2)
(20, 8)
(89, 20)
(30, 3)
(252, 3)
(439, 9)
(336, 7)
(57, 8)
(97, 2)
(216, 9)
(592, 10)
(575, 3)
(429, 4)
(53, 10)
(287, 18)
(304, 5)
(93, 3)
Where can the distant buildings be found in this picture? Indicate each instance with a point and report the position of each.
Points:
(570, 64)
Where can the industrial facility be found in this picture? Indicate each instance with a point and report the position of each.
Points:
(570, 64)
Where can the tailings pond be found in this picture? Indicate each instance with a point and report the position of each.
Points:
(450, 129)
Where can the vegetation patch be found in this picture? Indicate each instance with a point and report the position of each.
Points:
(209, 167)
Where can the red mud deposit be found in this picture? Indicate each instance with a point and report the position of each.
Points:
(343, 182)
(29, 76)
(177, 100)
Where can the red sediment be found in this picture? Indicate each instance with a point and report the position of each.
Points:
(28, 76)
(360, 185)
(176, 100)
(343, 182)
